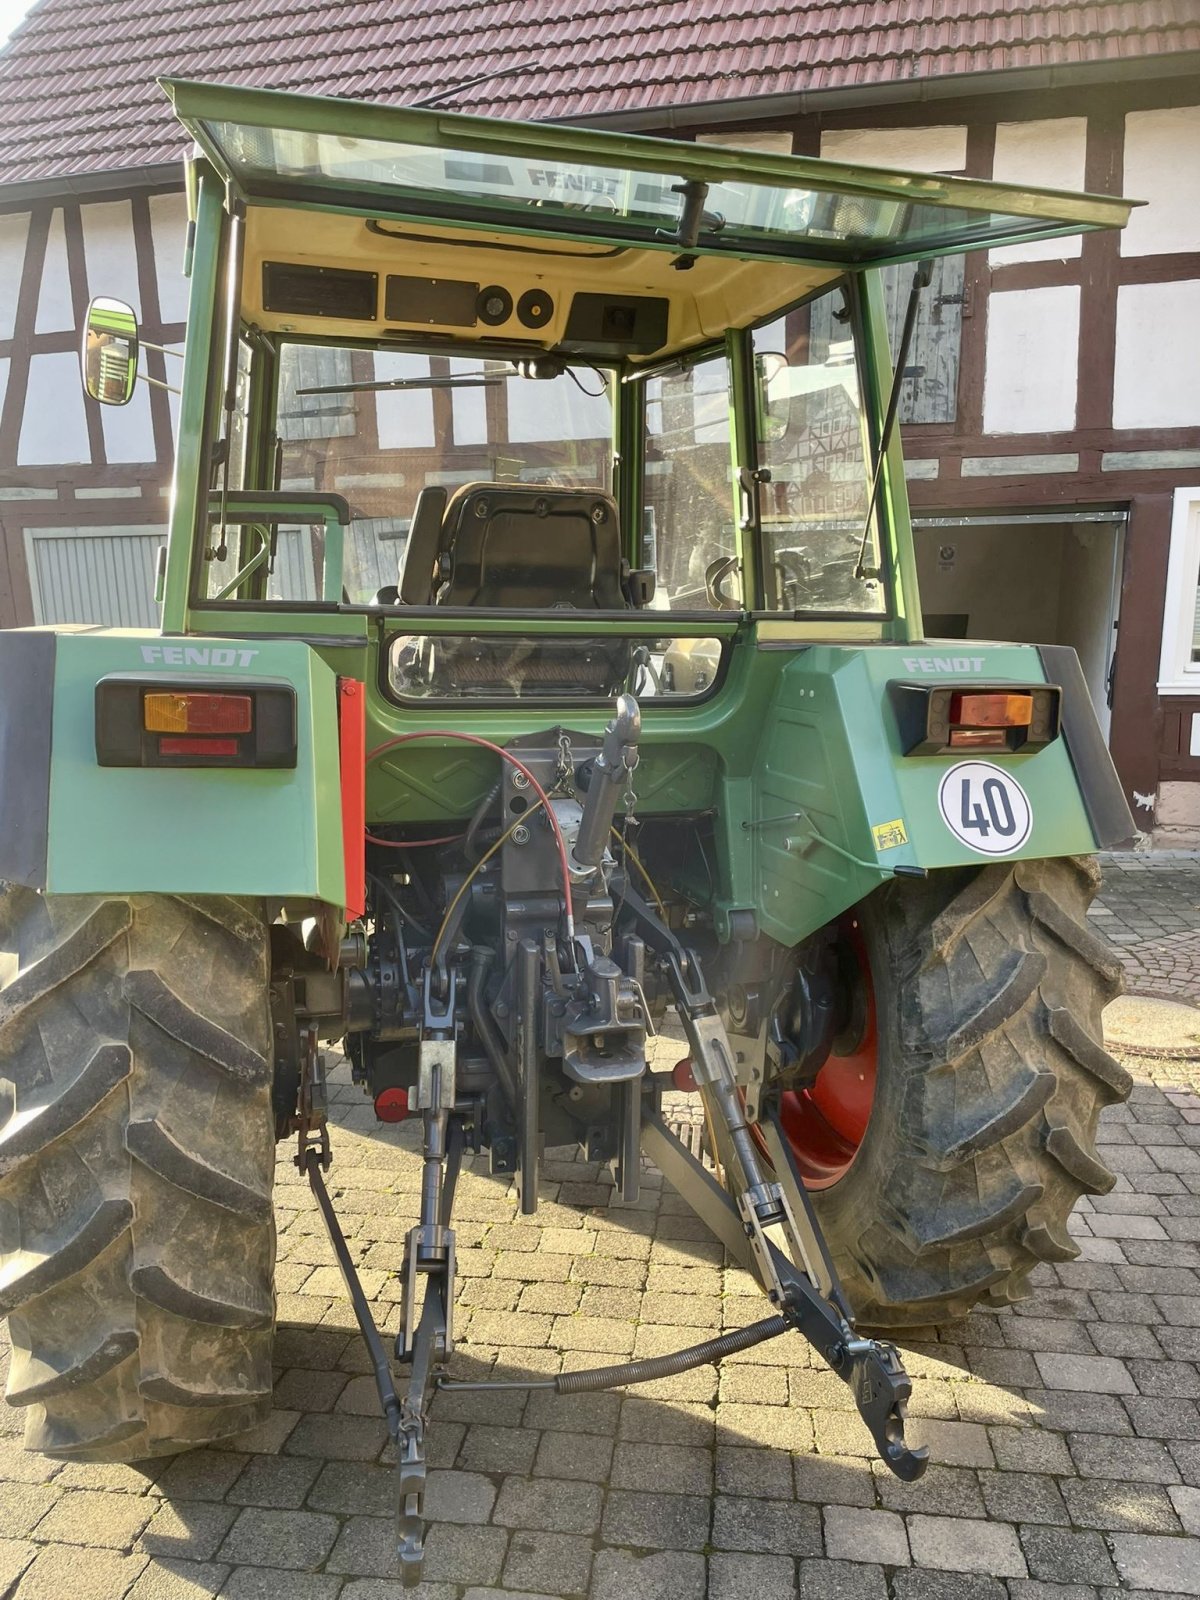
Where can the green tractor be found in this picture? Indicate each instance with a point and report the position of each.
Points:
(540, 655)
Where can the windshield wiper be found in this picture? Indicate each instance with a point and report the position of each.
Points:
(403, 383)
(921, 280)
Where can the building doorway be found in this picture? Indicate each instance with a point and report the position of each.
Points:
(1042, 578)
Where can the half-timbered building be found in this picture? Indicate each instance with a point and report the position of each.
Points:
(1051, 404)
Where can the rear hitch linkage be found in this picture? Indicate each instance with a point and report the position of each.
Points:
(770, 1227)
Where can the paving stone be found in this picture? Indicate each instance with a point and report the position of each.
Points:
(1111, 1504)
(1035, 1589)
(458, 1497)
(949, 1491)
(647, 1421)
(164, 1579)
(780, 1427)
(745, 1577)
(23, 1505)
(838, 1580)
(585, 1456)
(15, 1556)
(656, 1521)
(1030, 1450)
(825, 1479)
(666, 1575)
(1098, 1455)
(352, 1488)
(911, 1584)
(557, 1562)
(1089, 1374)
(460, 1554)
(338, 1438)
(679, 1469)
(300, 1539)
(1067, 1557)
(1186, 1501)
(1023, 1497)
(1161, 1564)
(59, 1571)
(92, 1517)
(189, 1530)
(965, 1544)
(281, 1482)
(852, 1534)
(955, 1444)
(548, 1505)
(767, 1525)
(488, 1449)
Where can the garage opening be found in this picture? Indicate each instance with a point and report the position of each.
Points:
(1042, 578)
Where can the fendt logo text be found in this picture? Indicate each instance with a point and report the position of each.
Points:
(190, 655)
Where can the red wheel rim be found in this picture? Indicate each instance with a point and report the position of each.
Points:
(825, 1123)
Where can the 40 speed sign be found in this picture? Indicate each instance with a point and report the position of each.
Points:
(985, 807)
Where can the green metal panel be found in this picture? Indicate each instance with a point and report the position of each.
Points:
(831, 750)
(130, 830)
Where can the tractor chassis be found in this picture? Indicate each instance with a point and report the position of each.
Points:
(770, 1228)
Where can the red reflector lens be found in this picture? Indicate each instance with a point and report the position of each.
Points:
(197, 747)
(185, 712)
(682, 1076)
(391, 1105)
(992, 710)
(978, 739)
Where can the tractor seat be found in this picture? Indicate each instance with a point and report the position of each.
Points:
(531, 546)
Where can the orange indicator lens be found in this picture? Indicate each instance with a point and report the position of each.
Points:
(197, 713)
(991, 710)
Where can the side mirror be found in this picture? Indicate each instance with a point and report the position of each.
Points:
(109, 354)
(772, 395)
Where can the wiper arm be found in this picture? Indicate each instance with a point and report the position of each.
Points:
(921, 280)
(403, 383)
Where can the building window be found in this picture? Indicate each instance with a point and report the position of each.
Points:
(1179, 666)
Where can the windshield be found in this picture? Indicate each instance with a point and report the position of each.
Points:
(379, 426)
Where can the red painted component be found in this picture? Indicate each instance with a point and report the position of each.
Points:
(391, 1105)
(825, 1123)
(184, 745)
(352, 750)
(683, 1078)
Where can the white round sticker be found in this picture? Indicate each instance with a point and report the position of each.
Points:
(985, 807)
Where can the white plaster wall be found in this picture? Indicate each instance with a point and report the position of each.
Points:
(404, 416)
(1162, 167)
(55, 311)
(3, 379)
(1156, 382)
(13, 231)
(937, 149)
(1046, 154)
(1031, 375)
(53, 425)
(109, 251)
(168, 228)
(128, 432)
(775, 141)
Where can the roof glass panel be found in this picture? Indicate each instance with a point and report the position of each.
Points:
(579, 183)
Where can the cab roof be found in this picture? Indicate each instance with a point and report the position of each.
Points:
(581, 211)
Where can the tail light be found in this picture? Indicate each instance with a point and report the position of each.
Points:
(194, 724)
(1004, 717)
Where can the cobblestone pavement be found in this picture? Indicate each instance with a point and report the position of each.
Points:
(1149, 908)
(1065, 1434)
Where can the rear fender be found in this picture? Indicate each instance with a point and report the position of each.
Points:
(71, 826)
(832, 781)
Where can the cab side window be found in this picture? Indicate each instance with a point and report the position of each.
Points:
(689, 531)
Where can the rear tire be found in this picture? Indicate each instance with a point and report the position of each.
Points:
(989, 988)
(137, 1237)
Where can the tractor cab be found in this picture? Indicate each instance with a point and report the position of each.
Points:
(551, 372)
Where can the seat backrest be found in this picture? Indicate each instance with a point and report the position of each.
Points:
(424, 542)
(532, 545)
